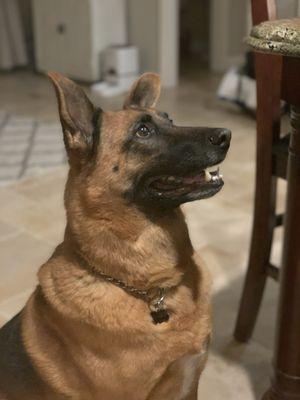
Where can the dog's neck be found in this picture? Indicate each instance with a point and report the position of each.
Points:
(126, 244)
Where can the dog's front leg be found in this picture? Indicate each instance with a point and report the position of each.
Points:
(180, 381)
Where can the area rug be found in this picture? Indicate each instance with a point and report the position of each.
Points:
(28, 147)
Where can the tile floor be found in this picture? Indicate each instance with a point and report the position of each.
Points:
(32, 221)
(28, 147)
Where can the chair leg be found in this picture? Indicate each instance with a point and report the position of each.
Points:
(258, 261)
(286, 379)
(268, 72)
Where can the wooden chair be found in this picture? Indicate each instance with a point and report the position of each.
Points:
(271, 164)
(277, 46)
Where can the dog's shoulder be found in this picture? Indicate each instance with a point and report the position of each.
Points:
(17, 373)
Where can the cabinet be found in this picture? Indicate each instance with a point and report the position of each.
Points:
(71, 35)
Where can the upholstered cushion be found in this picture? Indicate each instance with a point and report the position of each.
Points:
(277, 37)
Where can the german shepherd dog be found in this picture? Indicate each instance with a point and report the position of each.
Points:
(122, 308)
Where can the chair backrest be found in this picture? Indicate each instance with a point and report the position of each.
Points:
(263, 10)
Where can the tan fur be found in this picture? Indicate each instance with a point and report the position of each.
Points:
(89, 339)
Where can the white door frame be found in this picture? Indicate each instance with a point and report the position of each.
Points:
(168, 46)
(220, 19)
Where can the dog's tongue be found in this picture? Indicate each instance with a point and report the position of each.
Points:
(189, 180)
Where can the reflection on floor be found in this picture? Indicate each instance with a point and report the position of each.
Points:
(32, 222)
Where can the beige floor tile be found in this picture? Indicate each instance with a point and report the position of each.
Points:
(224, 266)
(3, 319)
(12, 200)
(20, 259)
(225, 306)
(41, 189)
(277, 245)
(12, 305)
(43, 220)
(240, 376)
(212, 221)
(7, 230)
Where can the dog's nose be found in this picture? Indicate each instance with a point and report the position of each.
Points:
(220, 137)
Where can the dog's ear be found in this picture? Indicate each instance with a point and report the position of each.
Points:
(144, 92)
(78, 116)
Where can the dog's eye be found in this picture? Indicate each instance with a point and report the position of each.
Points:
(143, 131)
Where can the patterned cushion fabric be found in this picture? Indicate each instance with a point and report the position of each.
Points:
(276, 37)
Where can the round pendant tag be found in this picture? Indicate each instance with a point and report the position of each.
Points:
(160, 316)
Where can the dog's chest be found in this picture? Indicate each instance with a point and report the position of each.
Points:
(134, 369)
(185, 332)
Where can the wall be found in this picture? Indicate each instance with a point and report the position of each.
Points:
(26, 16)
(287, 8)
(153, 27)
(228, 27)
(143, 31)
(168, 41)
(238, 30)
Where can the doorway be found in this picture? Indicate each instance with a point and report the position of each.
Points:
(194, 36)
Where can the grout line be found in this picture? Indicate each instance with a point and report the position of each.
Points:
(34, 137)
(29, 150)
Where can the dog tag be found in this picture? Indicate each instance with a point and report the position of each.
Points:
(158, 312)
(160, 316)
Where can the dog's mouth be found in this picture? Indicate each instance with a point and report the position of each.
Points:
(204, 184)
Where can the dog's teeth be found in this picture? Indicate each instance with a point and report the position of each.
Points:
(159, 193)
(176, 180)
(207, 176)
(220, 176)
(170, 179)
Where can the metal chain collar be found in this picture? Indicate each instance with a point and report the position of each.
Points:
(157, 307)
(154, 296)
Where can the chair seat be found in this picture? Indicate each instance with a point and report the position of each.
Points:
(276, 37)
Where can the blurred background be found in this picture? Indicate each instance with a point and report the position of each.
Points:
(197, 48)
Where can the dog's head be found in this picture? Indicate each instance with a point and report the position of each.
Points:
(138, 154)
